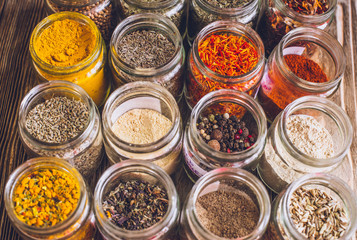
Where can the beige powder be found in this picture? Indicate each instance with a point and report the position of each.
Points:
(141, 126)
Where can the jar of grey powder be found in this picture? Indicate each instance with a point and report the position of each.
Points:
(312, 134)
(141, 120)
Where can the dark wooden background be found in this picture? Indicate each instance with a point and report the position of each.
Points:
(19, 17)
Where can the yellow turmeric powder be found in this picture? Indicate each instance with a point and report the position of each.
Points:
(65, 43)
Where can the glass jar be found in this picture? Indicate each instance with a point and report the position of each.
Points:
(166, 151)
(283, 162)
(128, 170)
(175, 10)
(84, 151)
(90, 73)
(78, 225)
(170, 75)
(199, 157)
(281, 225)
(203, 12)
(229, 180)
(280, 86)
(278, 19)
(102, 12)
(202, 80)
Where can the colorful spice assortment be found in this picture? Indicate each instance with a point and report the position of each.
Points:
(227, 214)
(225, 133)
(308, 7)
(317, 215)
(45, 197)
(136, 205)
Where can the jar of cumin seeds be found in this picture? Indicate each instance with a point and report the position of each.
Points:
(148, 47)
(59, 119)
(102, 12)
(80, 223)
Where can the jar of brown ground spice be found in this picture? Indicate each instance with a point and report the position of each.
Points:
(102, 12)
(226, 203)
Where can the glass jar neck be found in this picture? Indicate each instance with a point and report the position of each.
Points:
(244, 10)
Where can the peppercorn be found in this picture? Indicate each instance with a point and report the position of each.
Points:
(214, 144)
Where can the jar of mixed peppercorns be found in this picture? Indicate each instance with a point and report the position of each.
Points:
(282, 16)
(227, 128)
(136, 200)
(225, 55)
(46, 198)
(307, 61)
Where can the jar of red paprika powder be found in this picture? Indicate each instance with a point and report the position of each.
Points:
(307, 61)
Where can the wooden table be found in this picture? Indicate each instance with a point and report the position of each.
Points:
(17, 77)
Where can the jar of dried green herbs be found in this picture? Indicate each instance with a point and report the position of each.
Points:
(204, 12)
(136, 200)
(148, 47)
(226, 203)
(59, 119)
(46, 198)
(316, 206)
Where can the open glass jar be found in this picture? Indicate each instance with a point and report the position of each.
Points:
(201, 158)
(280, 85)
(85, 150)
(143, 96)
(282, 226)
(204, 12)
(89, 73)
(102, 12)
(136, 170)
(237, 183)
(278, 19)
(202, 80)
(312, 134)
(169, 74)
(80, 222)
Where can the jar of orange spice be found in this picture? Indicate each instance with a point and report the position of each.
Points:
(307, 61)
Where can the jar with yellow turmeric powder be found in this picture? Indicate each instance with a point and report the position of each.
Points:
(68, 46)
(46, 198)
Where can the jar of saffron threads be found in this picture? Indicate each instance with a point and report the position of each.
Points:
(225, 55)
(307, 61)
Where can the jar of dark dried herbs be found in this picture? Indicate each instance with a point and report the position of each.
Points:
(175, 10)
(307, 61)
(312, 134)
(148, 47)
(204, 12)
(44, 171)
(141, 120)
(59, 119)
(227, 128)
(225, 55)
(316, 206)
(226, 203)
(282, 16)
(102, 12)
(136, 199)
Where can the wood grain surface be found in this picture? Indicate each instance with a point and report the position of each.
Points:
(17, 77)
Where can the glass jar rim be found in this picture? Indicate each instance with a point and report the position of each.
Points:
(48, 21)
(147, 21)
(139, 166)
(227, 26)
(155, 5)
(45, 163)
(329, 181)
(332, 46)
(236, 174)
(76, 3)
(148, 89)
(60, 86)
(227, 12)
(329, 108)
(239, 98)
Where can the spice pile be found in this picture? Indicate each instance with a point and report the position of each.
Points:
(225, 133)
(227, 214)
(317, 215)
(136, 205)
(45, 197)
